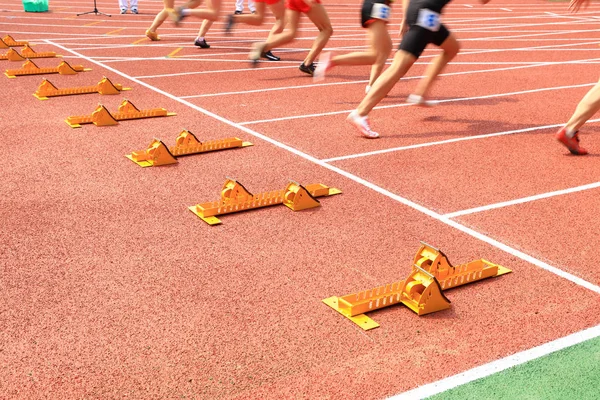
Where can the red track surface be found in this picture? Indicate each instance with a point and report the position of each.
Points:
(110, 287)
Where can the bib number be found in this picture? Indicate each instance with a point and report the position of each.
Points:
(380, 11)
(429, 20)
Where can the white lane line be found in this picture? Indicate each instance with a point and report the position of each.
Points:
(506, 9)
(489, 96)
(519, 254)
(500, 365)
(442, 142)
(581, 188)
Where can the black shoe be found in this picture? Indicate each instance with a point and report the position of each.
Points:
(270, 56)
(237, 12)
(202, 43)
(307, 69)
(229, 24)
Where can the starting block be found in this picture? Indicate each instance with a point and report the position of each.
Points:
(105, 86)
(102, 117)
(7, 41)
(29, 68)
(235, 198)
(27, 52)
(421, 291)
(186, 143)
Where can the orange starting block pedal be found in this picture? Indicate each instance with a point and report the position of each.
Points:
(27, 52)
(105, 86)
(30, 68)
(235, 198)
(102, 117)
(421, 291)
(7, 41)
(186, 144)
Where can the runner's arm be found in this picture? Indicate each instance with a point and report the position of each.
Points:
(403, 25)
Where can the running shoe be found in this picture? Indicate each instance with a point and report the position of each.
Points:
(134, 10)
(307, 69)
(152, 36)
(571, 143)
(362, 124)
(123, 11)
(229, 24)
(322, 67)
(238, 12)
(420, 101)
(201, 43)
(257, 50)
(176, 15)
(270, 56)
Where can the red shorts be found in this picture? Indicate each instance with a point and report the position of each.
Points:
(268, 2)
(299, 5)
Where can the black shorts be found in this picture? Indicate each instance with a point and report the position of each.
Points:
(367, 10)
(417, 37)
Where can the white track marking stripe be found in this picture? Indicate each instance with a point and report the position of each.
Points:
(502, 364)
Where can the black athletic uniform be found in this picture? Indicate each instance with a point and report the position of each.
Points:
(367, 15)
(422, 18)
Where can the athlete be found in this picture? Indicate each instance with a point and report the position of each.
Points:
(294, 9)
(277, 8)
(374, 17)
(164, 14)
(587, 107)
(422, 17)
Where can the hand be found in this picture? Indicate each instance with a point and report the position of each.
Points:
(575, 5)
(403, 28)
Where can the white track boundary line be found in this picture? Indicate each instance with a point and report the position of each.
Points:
(454, 140)
(570, 277)
(502, 364)
(522, 200)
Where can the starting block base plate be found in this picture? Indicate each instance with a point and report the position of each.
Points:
(361, 320)
(142, 164)
(208, 220)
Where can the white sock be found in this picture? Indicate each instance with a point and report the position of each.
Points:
(185, 12)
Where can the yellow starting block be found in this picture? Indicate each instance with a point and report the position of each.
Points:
(30, 68)
(102, 117)
(27, 52)
(7, 41)
(105, 86)
(235, 198)
(186, 144)
(421, 291)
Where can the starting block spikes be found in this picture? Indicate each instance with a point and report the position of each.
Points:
(7, 41)
(105, 86)
(235, 198)
(102, 117)
(186, 143)
(421, 291)
(30, 68)
(27, 52)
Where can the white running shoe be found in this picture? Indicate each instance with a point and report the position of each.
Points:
(367, 89)
(322, 66)
(420, 101)
(255, 53)
(362, 124)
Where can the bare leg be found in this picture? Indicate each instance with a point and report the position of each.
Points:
(382, 86)
(210, 13)
(289, 33)
(319, 17)
(164, 14)
(255, 19)
(206, 24)
(278, 10)
(450, 49)
(587, 107)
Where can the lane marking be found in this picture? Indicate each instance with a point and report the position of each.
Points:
(489, 96)
(517, 253)
(502, 364)
(576, 189)
(115, 31)
(140, 40)
(93, 23)
(177, 50)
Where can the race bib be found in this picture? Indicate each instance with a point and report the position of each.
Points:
(380, 11)
(429, 20)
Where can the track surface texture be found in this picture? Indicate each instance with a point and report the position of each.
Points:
(111, 288)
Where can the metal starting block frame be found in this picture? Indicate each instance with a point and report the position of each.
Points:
(102, 117)
(8, 41)
(186, 144)
(105, 86)
(235, 198)
(421, 291)
(30, 68)
(27, 52)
